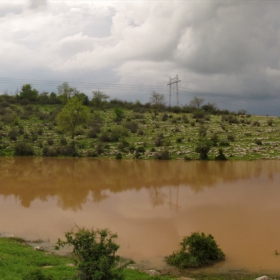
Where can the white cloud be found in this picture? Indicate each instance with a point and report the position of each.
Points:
(229, 47)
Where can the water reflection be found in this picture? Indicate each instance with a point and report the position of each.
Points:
(72, 180)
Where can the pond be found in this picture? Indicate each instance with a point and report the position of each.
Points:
(150, 204)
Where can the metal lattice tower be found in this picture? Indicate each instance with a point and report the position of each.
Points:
(174, 81)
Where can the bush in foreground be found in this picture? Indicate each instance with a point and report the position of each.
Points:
(95, 253)
(197, 250)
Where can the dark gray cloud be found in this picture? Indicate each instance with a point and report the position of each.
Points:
(218, 48)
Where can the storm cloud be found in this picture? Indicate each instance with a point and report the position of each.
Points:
(221, 50)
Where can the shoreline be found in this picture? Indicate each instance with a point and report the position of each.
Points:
(147, 267)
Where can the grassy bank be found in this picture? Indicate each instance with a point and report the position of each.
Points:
(19, 261)
(138, 134)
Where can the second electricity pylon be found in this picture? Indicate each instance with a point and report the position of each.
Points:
(171, 82)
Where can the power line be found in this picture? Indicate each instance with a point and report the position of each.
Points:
(88, 85)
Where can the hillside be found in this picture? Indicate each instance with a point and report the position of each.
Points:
(138, 133)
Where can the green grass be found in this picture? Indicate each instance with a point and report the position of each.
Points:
(17, 259)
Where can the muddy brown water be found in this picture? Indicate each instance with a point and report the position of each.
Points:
(150, 204)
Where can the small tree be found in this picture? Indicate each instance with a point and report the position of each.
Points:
(95, 252)
(157, 100)
(65, 92)
(119, 114)
(203, 147)
(99, 98)
(196, 103)
(27, 93)
(73, 114)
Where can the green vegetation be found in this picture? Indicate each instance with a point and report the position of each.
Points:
(73, 114)
(95, 254)
(68, 123)
(18, 261)
(197, 250)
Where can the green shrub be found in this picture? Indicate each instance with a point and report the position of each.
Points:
(20, 130)
(258, 142)
(187, 158)
(163, 155)
(132, 126)
(270, 122)
(23, 149)
(13, 134)
(137, 156)
(202, 130)
(159, 140)
(91, 154)
(67, 151)
(118, 133)
(118, 156)
(104, 137)
(164, 117)
(50, 152)
(198, 114)
(141, 150)
(119, 114)
(92, 133)
(224, 144)
(215, 139)
(100, 148)
(223, 126)
(79, 132)
(185, 119)
(221, 155)
(40, 131)
(179, 140)
(34, 137)
(50, 141)
(121, 146)
(203, 147)
(95, 253)
(256, 123)
(63, 141)
(26, 136)
(197, 250)
(230, 137)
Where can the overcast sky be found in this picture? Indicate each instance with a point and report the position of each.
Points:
(227, 52)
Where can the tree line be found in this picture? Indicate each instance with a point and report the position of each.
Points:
(30, 95)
